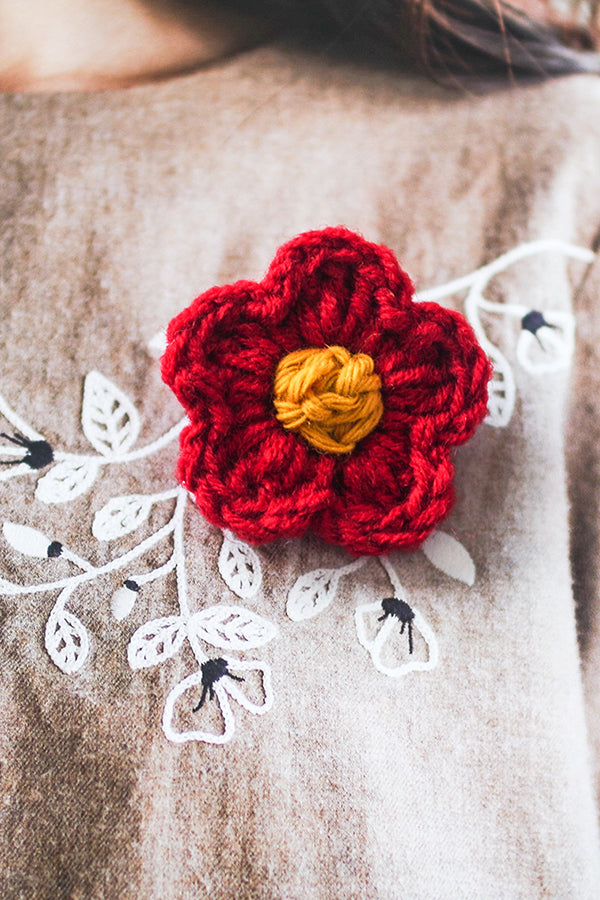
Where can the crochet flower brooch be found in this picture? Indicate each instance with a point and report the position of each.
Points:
(324, 398)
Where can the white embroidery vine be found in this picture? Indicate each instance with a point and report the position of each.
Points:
(546, 340)
(111, 423)
(388, 630)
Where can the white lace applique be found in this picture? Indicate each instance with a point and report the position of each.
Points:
(546, 340)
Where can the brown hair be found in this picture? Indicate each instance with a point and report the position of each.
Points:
(450, 38)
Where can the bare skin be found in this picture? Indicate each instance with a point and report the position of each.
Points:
(103, 44)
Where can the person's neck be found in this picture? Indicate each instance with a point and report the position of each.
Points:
(103, 44)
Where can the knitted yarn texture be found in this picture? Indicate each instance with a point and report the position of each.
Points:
(331, 396)
(324, 398)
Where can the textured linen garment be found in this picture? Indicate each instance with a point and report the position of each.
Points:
(471, 779)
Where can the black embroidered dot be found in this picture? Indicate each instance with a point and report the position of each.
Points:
(212, 671)
(533, 321)
(54, 549)
(400, 610)
(39, 453)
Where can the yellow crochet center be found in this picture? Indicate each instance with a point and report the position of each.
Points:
(329, 395)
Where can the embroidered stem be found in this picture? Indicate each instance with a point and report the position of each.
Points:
(178, 553)
(171, 494)
(182, 588)
(485, 273)
(148, 450)
(394, 580)
(511, 309)
(17, 422)
(112, 566)
(61, 600)
(154, 574)
(353, 566)
(77, 560)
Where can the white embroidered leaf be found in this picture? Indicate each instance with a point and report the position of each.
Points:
(501, 389)
(158, 344)
(240, 567)
(312, 593)
(155, 642)
(122, 602)
(449, 556)
(67, 640)
(26, 540)
(67, 480)
(120, 516)
(109, 419)
(231, 627)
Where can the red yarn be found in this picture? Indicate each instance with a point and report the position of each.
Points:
(263, 482)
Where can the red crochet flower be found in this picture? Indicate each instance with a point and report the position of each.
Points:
(250, 473)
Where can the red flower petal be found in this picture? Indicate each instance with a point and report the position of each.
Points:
(334, 285)
(391, 497)
(256, 480)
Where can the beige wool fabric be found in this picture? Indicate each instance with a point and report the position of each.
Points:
(471, 780)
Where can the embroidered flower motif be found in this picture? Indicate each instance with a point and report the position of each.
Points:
(392, 383)
(546, 342)
(380, 639)
(218, 683)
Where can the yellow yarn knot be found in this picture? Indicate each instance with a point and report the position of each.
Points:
(331, 396)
